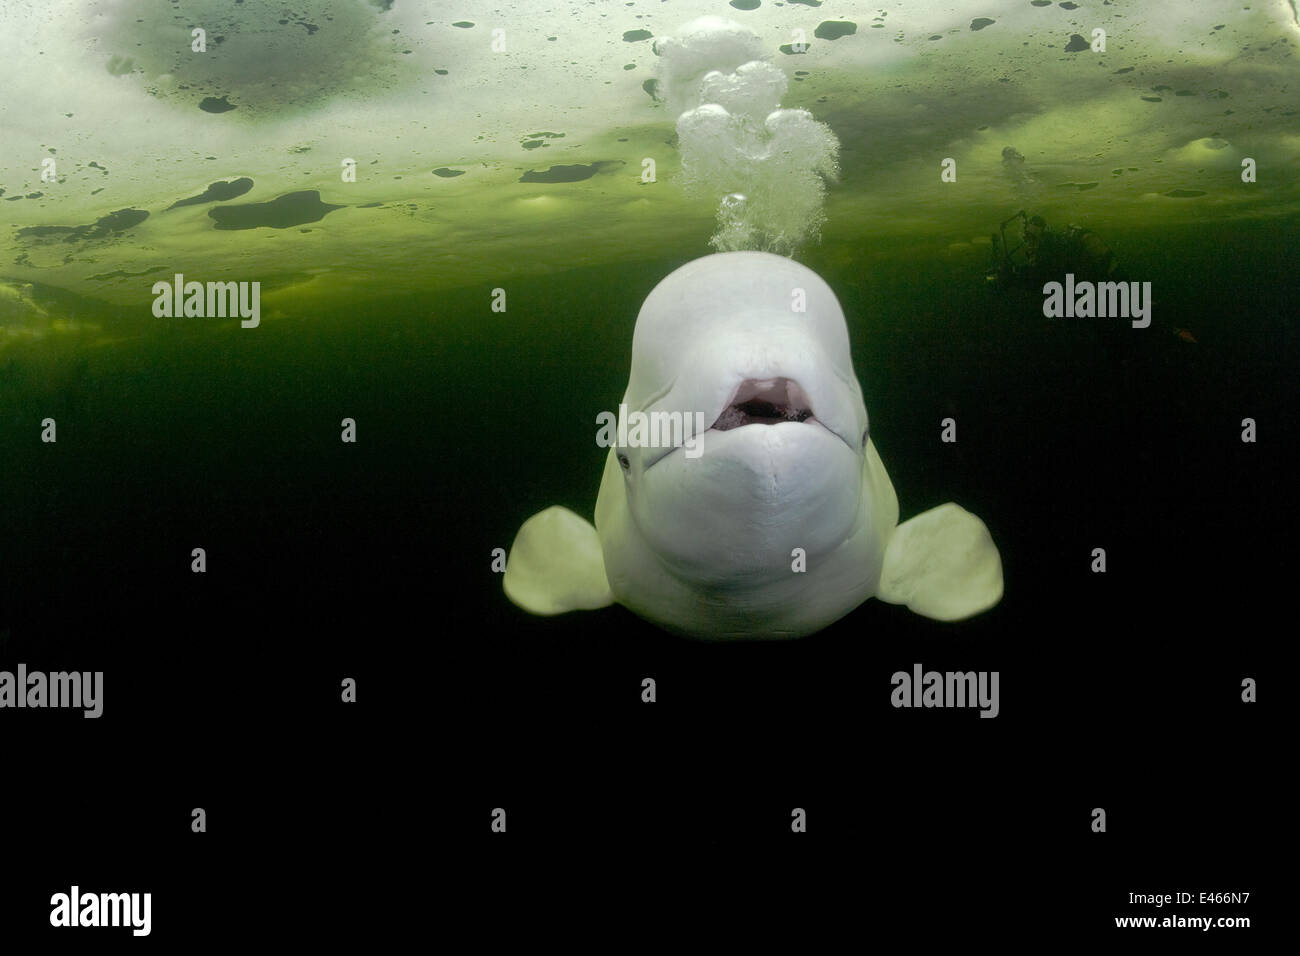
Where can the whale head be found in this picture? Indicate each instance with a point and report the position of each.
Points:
(743, 497)
(753, 348)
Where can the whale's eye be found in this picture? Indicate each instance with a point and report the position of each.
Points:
(622, 460)
(866, 432)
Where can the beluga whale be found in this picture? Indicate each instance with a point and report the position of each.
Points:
(776, 517)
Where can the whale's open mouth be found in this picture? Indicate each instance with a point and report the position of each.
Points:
(767, 401)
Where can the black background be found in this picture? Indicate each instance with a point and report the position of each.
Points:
(372, 561)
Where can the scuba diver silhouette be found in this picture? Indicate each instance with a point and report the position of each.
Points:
(1045, 256)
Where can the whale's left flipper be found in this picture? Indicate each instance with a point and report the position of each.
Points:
(556, 565)
(942, 564)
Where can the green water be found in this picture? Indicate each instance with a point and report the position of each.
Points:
(471, 420)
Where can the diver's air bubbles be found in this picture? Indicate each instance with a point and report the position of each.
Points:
(734, 232)
(703, 45)
(732, 204)
(1023, 183)
(777, 165)
(765, 166)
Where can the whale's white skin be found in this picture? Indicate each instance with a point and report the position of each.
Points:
(708, 546)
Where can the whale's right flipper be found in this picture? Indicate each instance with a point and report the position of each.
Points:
(556, 565)
(942, 564)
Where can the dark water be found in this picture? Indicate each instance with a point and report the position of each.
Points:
(371, 560)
